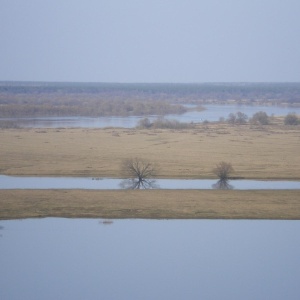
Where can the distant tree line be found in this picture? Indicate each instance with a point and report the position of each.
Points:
(70, 93)
(36, 99)
(45, 105)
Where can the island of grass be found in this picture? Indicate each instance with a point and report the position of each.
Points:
(255, 152)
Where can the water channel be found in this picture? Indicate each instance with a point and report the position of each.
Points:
(211, 113)
(57, 258)
(22, 182)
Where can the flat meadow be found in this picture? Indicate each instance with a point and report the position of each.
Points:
(255, 152)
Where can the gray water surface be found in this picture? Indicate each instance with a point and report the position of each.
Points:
(22, 182)
(211, 113)
(149, 259)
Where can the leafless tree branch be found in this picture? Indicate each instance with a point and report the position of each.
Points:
(223, 170)
(140, 173)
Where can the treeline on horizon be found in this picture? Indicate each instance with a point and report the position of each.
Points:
(38, 99)
(72, 105)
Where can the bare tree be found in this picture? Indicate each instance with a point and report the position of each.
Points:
(231, 118)
(222, 170)
(140, 173)
(241, 118)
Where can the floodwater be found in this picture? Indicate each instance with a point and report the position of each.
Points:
(23, 182)
(211, 113)
(149, 259)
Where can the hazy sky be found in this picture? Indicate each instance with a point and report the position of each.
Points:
(150, 40)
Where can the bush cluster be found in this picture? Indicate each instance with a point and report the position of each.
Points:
(237, 118)
(259, 118)
(161, 123)
(291, 119)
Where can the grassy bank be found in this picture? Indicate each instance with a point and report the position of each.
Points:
(261, 152)
(156, 204)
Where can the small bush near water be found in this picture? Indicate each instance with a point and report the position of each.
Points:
(237, 118)
(260, 118)
(291, 119)
(162, 123)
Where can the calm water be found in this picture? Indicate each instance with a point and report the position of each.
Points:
(212, 113)
(14, 182)
(149, 259)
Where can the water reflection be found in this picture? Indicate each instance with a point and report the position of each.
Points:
(139, 184)
(222, 185)
(23, 182)
(106, 222)
(1, 228)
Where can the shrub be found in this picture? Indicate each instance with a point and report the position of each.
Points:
(291, 119)
(231, 118)
(260, 118)
(237, 118)
(144, 123)
(241, 118)
(161, 123)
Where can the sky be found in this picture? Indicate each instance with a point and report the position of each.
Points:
(150, 40)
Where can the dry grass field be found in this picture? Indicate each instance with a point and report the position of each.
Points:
(260, 152)
(268, 152)
(155, 204)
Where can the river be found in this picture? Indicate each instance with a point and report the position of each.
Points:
(56, 258)
(25, 182)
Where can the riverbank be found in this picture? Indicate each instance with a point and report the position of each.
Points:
(150, 204)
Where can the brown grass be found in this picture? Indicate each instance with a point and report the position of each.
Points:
(157, 204)
(269, 152)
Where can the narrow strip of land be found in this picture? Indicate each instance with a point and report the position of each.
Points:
(146, 204)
